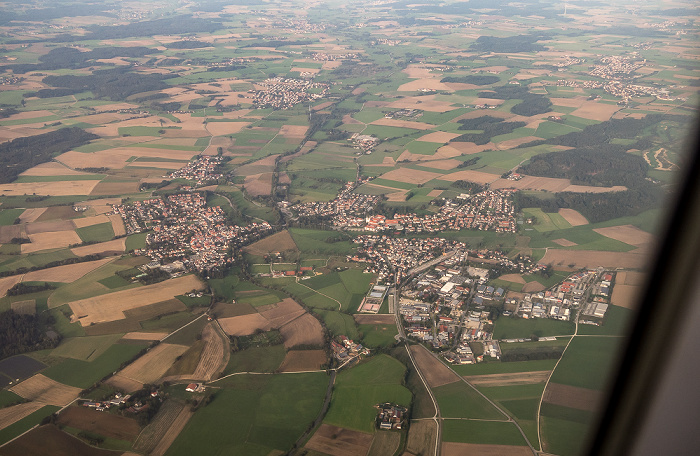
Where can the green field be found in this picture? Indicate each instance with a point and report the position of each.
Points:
(263, 359)
(84, 374)
(484, 432)
(378, 335)
(263, 413)
(498, 367)
(517, 328)
(359, 389)
(585, 361)
(339, 323)
(85, 348)
(26, 423)
(459, 400)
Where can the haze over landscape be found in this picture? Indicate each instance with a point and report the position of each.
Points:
(257, 227)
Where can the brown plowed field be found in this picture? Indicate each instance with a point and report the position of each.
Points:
(244, 325)
(435, 373)
(573, 217)
(159, 426)
(43, 389)
(115, 188)
(214, 356)
(626, 233)
(67, 273)
(107, 424)
(626, 296)
(339, 441)
(144, 336)
(438, 136)
(10, 415)
(550, 184)
(471, 176)
(515, 278)
(375, 319)
(278, 242)
(445, 165)
(150, 367)
(595, 258)
(30, 215)
(111, 306)
(477, 449)
(115, 245)
(48, 227)
(520, 378)
(403, 124)
(258, 184)
(62, 188)
(533, 287)
(305, 330)
(52, 240)
(7, 233)
(176, 426)
(49, 440)
(573, 396)
(303, 360)
(591, 189)
(8, 282)
(410, 176)
(264, 165)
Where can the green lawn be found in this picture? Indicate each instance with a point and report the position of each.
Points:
(459, 400)
(339, 323)
(263, 359)
(378, 335)
(484, 432)
(588, 362)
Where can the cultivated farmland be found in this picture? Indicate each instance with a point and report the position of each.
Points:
(42, 389)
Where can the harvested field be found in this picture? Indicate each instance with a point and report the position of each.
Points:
(282, 313)
(159, 426)
(215, 355)
(446, 165)
(550, 184)
(573, 217)
(264, 165)
(628, 234)
(466, 148)
(89, 221)
(66, 273)
(150, 367)
(591, 189)
(595, 258)
(115, 245)
(339, 441)
(27, 307)
(52, 240)
(144, 336)
(305, 330)
(8, 282)
(117, 225)
(464, 449)
(176, 426)
(515, 142)
(107, 424)
(62, 188)
(124, 384)
(303, 360)
(111, 306)
(515, 278)
(42, 389)
(94, 160)
(410, 176)
(258, 184)
(626, 296)
(435, 373)
(630, 278)
(435, 193)
(564, 242)
(30, 215)
(573, 396)
(377, 319)
(10, 415)
(244, 325)
(426, 103)
(533, 287)
(471, 176)
(225, 128)
(519, 378)
(293, 131)
(49, 227)
(278, 242)
(421, 437)
(403, 124)
(49, 439)
(596, 111)
(9, 232)
(115, 188)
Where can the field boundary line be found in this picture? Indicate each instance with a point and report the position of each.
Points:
(340, 305)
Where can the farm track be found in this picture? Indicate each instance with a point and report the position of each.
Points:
(214, 356)
(176, 426)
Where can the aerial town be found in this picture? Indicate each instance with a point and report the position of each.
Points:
(284, 93)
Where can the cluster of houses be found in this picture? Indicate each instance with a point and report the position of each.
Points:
(345, 349)
(616, 67)
(284, 93)
(365, 143)
(203, 170)
(347, 209)
(184, 229)
(326, 57)
(100, 406)
(391, 416)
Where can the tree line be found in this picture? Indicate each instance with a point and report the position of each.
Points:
(21, 333)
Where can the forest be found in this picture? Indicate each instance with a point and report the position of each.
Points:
(22, 333)
(115, 84)
(20, 154)
(531, 104)
(476, 79)
(490, 126)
